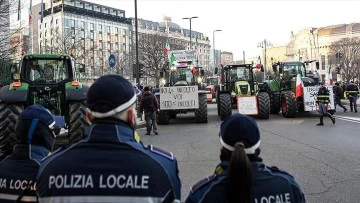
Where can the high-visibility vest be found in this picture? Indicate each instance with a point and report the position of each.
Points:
(323, 98)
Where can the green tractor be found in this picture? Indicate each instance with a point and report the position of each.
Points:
(48, 80)
(183, 92)
(239, 88)
(282, 89)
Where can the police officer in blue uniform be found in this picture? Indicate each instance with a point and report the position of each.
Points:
(242, 176)
(35, 140)
(110, 164)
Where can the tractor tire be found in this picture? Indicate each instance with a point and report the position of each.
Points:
(201, 114)
(275, 103)
(225, 106)
(263, 105)
(9, 114)
(78, 121)
(172, 115)
(163, 117)
(288, 104)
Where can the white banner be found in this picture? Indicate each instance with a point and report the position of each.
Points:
(179, 97)
(183, 55)
(310, 94)
(247, 105)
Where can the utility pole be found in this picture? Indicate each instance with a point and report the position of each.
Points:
(137, 47)
(190, 18)
(214, 47)
(264, 44)
(244, 57)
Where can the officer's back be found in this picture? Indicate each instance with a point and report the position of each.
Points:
(242, 176)
(35, 140)
(110, 164)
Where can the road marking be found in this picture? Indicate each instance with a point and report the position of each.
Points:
(347, 118)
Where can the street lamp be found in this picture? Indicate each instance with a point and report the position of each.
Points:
(214, 46)
(190, 26)
(264, 44)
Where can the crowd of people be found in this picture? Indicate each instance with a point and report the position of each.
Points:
(111, 164)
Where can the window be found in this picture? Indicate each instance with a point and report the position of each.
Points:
(69, 23)
(79, 4)
(57, 21)
(40, 34)
(105, 10)
(91, 26)
(81, 25)
(108, 29)
(45, 25)
(88, 6)
(97, 8)
(322, 62)
(100, 28)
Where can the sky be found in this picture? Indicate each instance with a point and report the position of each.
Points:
(244, 23)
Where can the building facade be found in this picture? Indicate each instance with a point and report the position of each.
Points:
(274, 54)
(227, 58)
(180, 36)
(217, 57)
(90, 31)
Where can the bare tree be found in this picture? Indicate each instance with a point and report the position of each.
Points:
(72, 41)
(349, 51)
(151, 54)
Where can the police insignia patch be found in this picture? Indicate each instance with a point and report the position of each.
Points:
(162, 152)
(202, 183)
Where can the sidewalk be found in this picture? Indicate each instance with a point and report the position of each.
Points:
(140, 123)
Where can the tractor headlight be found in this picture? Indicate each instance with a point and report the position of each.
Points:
(16, 76)
(173, 68)
(163, 81)
(199, 79)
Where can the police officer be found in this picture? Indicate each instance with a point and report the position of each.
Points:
(352, 92)
(35, 140)
(242, 176)
(110, 164)
(323, 100)
(149, 105)
(338, 93)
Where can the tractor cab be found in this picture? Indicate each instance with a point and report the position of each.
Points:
(239, 79)
(186, 74)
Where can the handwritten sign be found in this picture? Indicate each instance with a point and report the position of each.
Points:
(247, 105)
(183, 55)
(310, 94)
(179, 97)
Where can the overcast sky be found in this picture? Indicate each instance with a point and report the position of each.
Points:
(244, 23)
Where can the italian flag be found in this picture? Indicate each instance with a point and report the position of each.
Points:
(299, 85)
(196, 45)
(167, 46)
(330, 75)
(172, 59)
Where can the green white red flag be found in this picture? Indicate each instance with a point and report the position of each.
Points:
(299, 85)
(167, 46)
(330, 75)
(196, 45)
(30, 11)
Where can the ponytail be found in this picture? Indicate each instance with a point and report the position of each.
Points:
(240, 175)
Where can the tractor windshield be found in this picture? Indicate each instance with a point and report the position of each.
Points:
(292, 68)
(237, 74)
(182, 76)
(212, 81)
(42, 71)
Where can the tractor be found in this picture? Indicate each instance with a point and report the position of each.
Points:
(183, 92)
(48, 80)
(239, 86)
(283, 86)
(211, 83)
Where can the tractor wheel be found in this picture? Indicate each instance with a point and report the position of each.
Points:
(9, 114)
(288, 104)
(225, 106)
(163, 117)
(264, 105)
(78, 121)
(274, 103)
(201, 114)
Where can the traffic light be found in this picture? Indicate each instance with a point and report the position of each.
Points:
(141, 70)
(337, 69)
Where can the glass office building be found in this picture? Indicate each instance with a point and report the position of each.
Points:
(91, 31)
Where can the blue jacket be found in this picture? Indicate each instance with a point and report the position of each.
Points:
(268, 185)
(109, 165)
(18, 171)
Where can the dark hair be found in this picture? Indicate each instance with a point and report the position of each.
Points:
(240, 173)
(147, 88)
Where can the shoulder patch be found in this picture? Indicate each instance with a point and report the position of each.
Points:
(277, 170)
(201, 183)
(161, 152)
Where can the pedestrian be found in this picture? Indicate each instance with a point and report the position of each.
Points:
(35, 140)
(323, 100)
(352, 92)
(149, 105)
(110, 164)
(242, 176)
(338, 95)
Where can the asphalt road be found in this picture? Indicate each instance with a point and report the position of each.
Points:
(324, 160)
